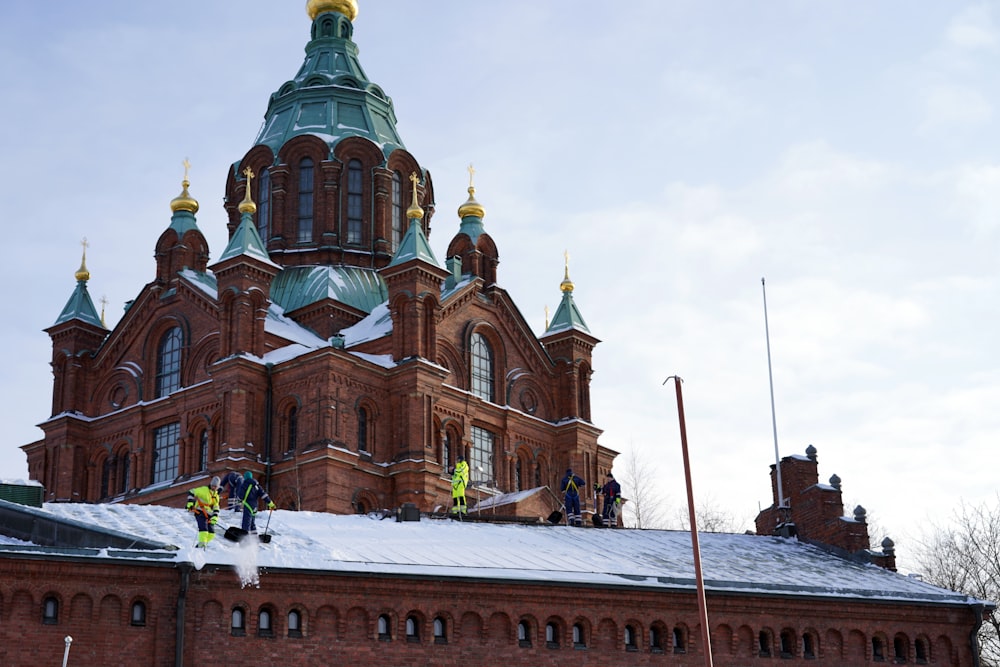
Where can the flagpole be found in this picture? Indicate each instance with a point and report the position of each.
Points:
(774, 421)
(706, 637)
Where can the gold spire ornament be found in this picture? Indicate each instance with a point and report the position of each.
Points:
(104, 304)
(471, 207)
(414, 212)
(348, 8)
(566, 285)
(82, 274)
(247, 205)
(184, 201)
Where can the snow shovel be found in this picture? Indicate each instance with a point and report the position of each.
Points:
(234, 534)
(556, 517)
(264, 537)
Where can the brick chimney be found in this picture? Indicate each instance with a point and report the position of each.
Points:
(814, 512)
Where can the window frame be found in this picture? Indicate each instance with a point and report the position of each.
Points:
(169, 359)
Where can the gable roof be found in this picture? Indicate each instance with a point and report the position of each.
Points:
(648, 559)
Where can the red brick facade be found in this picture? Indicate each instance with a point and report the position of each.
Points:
(477, 622)
(330, 428)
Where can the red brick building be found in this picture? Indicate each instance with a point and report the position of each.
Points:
(335, 589)
(326, 348)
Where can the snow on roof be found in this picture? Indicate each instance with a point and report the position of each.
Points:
(361, 544)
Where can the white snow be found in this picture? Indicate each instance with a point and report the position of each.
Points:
(446, 548)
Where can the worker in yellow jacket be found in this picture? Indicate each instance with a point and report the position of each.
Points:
(459, 480)
(203, 502)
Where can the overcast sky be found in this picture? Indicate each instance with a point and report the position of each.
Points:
(680, 151)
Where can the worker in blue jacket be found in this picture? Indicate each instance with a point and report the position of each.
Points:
(570, 488)
(250, 494)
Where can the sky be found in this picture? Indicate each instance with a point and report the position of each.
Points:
(678, 151)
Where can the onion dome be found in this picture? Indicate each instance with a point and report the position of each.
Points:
(184, 201)
(414, 212)
(82, 274)
(348, 8)
(247, 205)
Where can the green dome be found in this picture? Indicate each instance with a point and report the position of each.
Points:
(331, 96)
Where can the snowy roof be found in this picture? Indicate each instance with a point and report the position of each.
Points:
(363, 544)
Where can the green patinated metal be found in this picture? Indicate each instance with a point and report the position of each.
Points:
(80, 307)
(567, 316)
(246, 241)
(299, 286)
(183, 222)
(331, 96)
(414, 246)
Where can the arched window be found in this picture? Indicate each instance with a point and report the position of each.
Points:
(264, 628)
(166, 452)
(440, 631)
(878, 649)
(138, 617)
(631, 639)
(656, 639)
(579, 636)
(808, 646)
(764, 644)
(678, 640)
(900, 647)
(168, 363)
(551, 635)
(446, 449)
(517, 475)
(397, 210)
(294, 623)
(293, 429)
(264, 205)
(355, 190)
(787, 644)
(306, 189)
(524, 634)
(412, 629)
(482, 368)
(363, 430)
(384, 628)
(50, 610)
(238, 623)
(203, 450)
(921, 653)
(481, 456)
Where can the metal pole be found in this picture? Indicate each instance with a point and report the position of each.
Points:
(69, 640)
(706, 636)
(774, 421)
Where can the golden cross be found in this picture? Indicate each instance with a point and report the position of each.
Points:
(248, 172)
(414, 179)
(85, 245)
(472, 172)
(187, 167)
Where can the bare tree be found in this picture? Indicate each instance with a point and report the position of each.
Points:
(712, 518)
(644, 505)
(966, 558)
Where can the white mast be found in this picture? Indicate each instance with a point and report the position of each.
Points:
(774, 421)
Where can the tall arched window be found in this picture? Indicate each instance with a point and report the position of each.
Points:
(363, 445)
(517, 476)
(397, 210)
(264, 205)
(293, 428)
(440, 631)
(446, 449)
(203, 450)
(168, 363)
(482, 368)
(166, 452)
(481, 456)
(354, 202)
(306, 188)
